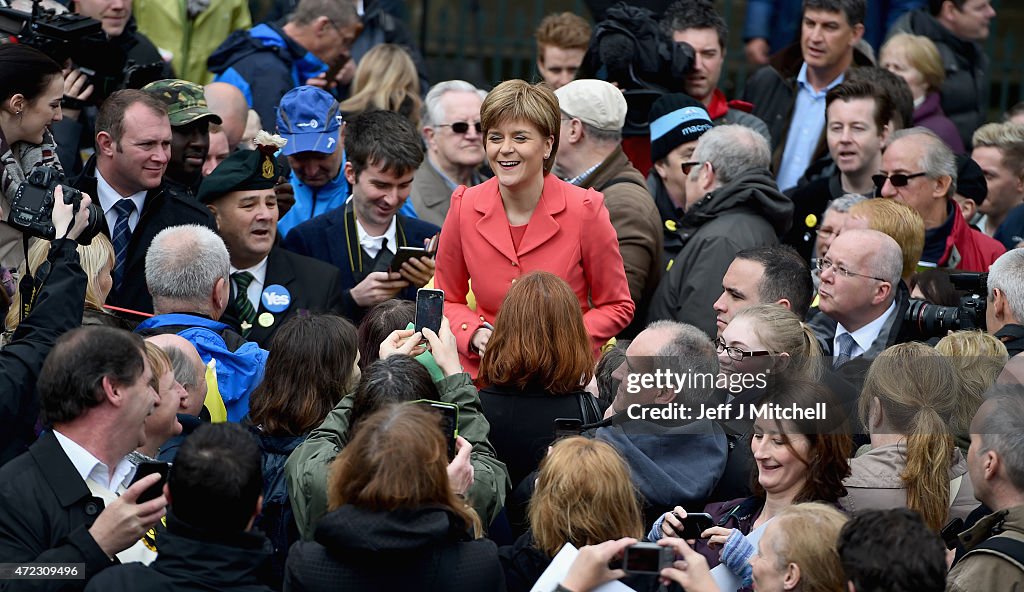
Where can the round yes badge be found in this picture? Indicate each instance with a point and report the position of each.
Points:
(276, 298)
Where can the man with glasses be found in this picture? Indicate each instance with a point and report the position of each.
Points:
(732, 203)
(268, 60)
(455, 148)
(590, 156)
(920, 170)
(862, 300)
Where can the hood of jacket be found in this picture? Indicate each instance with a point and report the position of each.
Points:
(351, 529)
(671, 466)
(217, 560)
(754, 192)
(262, 37)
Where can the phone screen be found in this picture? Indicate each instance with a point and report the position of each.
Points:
(429, 309)
(643, 558)
(157, 489)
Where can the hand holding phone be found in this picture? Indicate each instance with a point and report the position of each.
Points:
(157, 489)
(429, 309)
(647, 558)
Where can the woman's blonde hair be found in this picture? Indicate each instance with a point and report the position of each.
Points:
(584, 495)
(806, 535)
(977, 360)
(159, 364)
(386, 79)
(922, 55)
(781, 331)
(917, 390)
(94, 257)
(518, 100)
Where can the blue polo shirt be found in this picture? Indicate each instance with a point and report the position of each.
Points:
(804, 129)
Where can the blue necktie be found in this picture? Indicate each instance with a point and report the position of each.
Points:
(846, 345)
(120, 237)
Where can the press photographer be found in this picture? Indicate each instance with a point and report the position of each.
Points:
(925, 319)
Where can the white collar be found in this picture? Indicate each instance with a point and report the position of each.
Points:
(371, 244)
(865, 336)
(109, 196)
(258, 271)
(91, 468)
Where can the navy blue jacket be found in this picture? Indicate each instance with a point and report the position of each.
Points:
(332, 237)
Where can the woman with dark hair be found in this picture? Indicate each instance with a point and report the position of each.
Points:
(798, 460)
(312, 364)
(31, 88)
(524, 219)
(379, 322)
(935, 286)
(394, 520)
(534, 369)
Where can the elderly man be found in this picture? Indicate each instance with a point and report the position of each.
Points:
(732, 203)
(270, 59)
(188, 274)
(269, 284)
(190, 133)
(455, 148)
(1004, 315)
(590, 156)
(995, 465)
(190, 373)
(861, 297)
(125, 177)
(920, 170)
(229, 104)
(68, 500)
(764, 275)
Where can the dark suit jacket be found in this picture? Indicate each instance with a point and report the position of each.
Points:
(313, 285)
(46, 510)
(332, 237)
(159, 212)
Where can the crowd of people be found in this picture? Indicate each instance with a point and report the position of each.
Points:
(686, 342)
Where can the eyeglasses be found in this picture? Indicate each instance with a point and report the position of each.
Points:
(461, 127)
(736, 354)
(897, 180)
(826, 232)
(688, 166)
(825, 264)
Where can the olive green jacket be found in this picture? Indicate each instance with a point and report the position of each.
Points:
(308, 466)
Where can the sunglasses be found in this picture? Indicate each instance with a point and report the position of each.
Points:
(897, 180)
(461, 127)
(688, 166)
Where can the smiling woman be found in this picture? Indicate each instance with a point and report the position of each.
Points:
(31, 87)
(525, 219)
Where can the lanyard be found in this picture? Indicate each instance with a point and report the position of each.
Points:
(352, 238)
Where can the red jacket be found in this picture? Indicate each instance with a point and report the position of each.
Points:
(968, 249)
(569, 235)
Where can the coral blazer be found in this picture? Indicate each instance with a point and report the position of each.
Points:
(569, 235)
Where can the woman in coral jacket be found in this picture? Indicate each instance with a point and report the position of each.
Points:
(524, 219)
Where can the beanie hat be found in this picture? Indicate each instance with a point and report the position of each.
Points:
(676, 119)
(970, 181)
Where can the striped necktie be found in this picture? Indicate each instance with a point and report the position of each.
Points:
(246, 313)
(120, 237)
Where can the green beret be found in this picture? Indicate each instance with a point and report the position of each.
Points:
(241, 171)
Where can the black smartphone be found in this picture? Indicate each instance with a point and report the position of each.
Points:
(148, 468)
(429, 309)
(647, 558)
(950, 533)
(406, 253)
(694, 524)
(449, 421)
(567, 428)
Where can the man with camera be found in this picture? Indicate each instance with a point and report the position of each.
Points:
(70, 498)
(1004, 310)
(133, 145)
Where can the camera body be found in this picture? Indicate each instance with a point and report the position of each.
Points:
(32, 206)
(925, 320)
(647, 558)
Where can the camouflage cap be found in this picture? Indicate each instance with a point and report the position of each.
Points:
(185, 100)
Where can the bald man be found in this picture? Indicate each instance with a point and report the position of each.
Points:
(190, 372)
(229, 103)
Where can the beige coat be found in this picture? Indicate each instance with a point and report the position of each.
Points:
(984, 572)
(875, 483)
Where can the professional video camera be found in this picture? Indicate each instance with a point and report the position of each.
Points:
(925, 320)
(32, 206)
(629, 49)
(64, 36)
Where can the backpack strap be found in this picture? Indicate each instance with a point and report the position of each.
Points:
(1007, 548)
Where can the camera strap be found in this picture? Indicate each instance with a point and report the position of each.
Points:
(26, 286)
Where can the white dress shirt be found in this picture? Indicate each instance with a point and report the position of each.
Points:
(92, 469)
(371, 244)
(109, 196)
(864, 337)
(259, 277)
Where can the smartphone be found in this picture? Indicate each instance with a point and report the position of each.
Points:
(950, 533)
(406, 253)
(647, 558)
(449, 421)
(567, 428)
(694, 524)
(429, 309)
(148, 468)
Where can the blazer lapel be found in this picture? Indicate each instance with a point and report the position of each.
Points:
(542, 224)
(335, 238)
(493, 226)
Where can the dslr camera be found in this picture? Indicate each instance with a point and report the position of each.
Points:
(32, 206)
(925, 320)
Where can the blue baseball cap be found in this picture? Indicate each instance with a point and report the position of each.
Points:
(308, 117)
